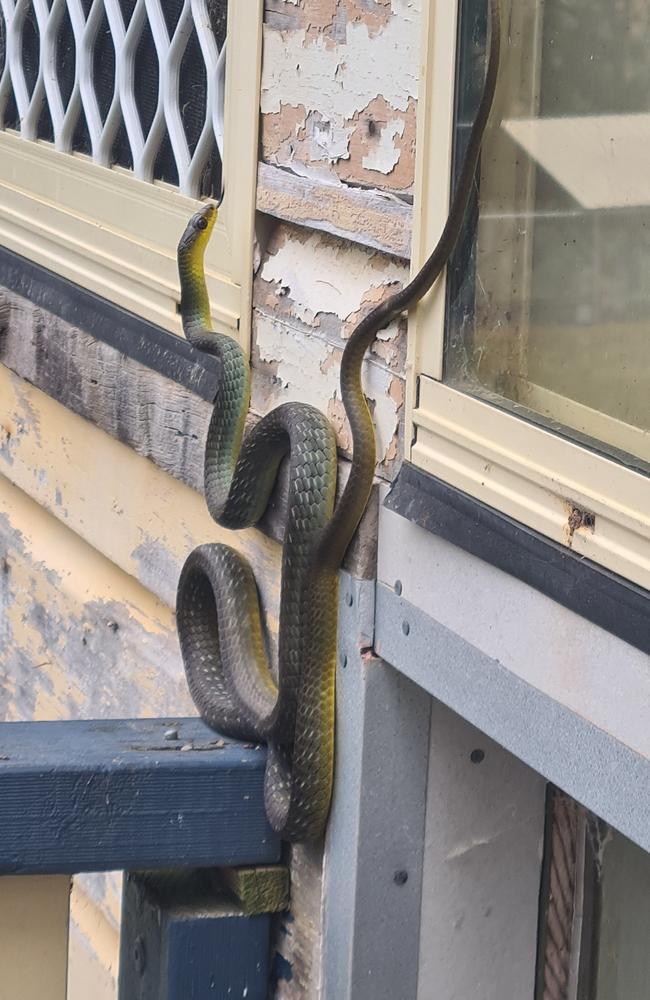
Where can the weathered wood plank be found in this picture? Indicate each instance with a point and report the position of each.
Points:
(263, 889)
(79, 637)
(105, 795)
(180, 940)
(124, 506)
(34, 937)
(368, 217)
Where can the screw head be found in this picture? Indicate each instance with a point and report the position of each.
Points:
(139, 955)
(398, 588)
(171, 734)
(401, 877)
(406, 628)
(349, 600)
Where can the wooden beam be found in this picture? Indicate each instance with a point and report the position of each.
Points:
(370, 218)
(180, 939)
(34, 920)
(125, 794)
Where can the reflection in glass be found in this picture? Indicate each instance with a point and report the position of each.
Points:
(549, 295)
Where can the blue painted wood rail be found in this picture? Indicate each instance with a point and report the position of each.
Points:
(147, 794)
(102, 795)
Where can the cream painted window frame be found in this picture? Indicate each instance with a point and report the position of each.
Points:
(116, 235)
(526, 472)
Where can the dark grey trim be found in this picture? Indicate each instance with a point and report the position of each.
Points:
(600, 596)
(375, 839)
(133, 336)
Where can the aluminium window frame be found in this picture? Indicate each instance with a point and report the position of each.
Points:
(116, 236)
(527, 472)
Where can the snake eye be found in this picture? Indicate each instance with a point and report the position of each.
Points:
(201, 223)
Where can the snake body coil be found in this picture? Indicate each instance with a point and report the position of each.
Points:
(218, 614)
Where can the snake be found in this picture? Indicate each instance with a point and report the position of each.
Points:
(219, 619)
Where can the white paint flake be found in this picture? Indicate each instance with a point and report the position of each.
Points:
(320, 276)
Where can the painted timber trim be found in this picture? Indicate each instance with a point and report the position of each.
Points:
(116, 794)
(132, 335)
(180, 939)
(595, 593)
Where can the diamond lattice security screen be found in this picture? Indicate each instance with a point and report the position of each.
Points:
(133, 83)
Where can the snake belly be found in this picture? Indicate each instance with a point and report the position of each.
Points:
(218, 613)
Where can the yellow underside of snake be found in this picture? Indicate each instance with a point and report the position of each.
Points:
(218, 613)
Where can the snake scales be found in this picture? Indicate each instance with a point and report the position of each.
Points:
(218, 614)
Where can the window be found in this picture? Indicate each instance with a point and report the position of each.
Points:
(532, 364)
(594, 909)
(112, 117)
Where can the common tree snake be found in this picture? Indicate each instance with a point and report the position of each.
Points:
(218, 613)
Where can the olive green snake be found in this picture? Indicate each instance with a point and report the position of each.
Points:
(218, 613)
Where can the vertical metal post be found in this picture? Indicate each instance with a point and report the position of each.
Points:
(375, 840)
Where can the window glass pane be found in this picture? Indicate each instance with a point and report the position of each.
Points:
(549, 292)
(623, 964)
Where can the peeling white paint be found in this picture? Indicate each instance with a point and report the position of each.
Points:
(385, 155)
(308, 371)
(329, 141)
(301, 363)
(342, 79)
(323, 277)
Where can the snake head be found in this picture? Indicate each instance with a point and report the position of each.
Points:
(198, 230)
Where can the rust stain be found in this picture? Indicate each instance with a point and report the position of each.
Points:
(578, 519)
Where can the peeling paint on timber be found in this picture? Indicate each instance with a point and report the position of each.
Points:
(120, 503)
(80, 637)
(310, 293)
(326, 111)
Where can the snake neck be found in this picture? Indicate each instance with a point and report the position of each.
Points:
(195, 303)
(232, 397)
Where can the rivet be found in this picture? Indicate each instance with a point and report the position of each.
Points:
(171, 734)
(398, 587)
(349, 600)
(401, 877)
(406, 628)
(477, 756)
(344, 661)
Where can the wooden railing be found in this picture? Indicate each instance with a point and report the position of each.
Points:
(175, 807)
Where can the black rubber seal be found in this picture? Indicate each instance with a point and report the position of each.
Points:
(133, 336)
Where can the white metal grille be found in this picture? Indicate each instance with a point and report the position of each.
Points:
(139, 83)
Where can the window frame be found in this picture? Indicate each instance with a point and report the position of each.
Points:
(116, 236)
(524, 470)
